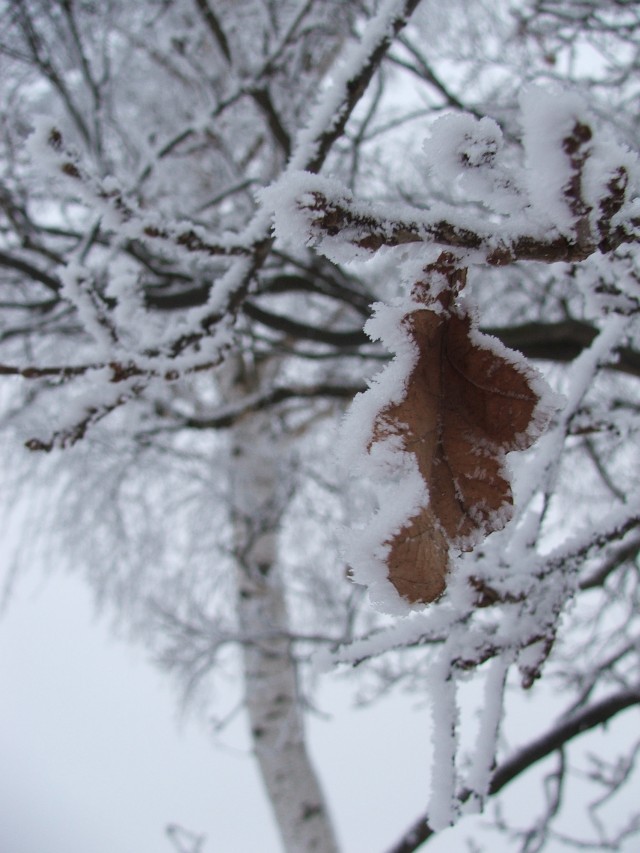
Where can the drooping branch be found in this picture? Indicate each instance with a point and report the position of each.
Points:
(588, 718)
(558, 736)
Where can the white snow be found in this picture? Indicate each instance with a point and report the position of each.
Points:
(548, 118)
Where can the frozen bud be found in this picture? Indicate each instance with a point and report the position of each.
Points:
(465, 156)
(462, 142)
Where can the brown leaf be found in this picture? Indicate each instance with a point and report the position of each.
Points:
(466, 405)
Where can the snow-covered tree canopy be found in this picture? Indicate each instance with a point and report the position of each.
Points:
(225, 224)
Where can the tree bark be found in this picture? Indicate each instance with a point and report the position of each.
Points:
(272, 695)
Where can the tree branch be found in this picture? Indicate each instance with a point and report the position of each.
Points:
(319, 142)
(371, 231)
(340, 339)
(273, 397)
(580, 722)
(262, 99)
(556, 738)
(354, 89)
(12, 262)
(618, 557)
(425, 72)
(562, 342)
(215, 28)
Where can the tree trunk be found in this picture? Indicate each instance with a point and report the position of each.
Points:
(270, 672)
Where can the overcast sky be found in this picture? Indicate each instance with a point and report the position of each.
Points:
(95, 759)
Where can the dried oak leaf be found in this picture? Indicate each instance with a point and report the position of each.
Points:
(469, 400)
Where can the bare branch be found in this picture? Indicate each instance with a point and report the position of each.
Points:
(215, 27)
(556, 738)
(355, 88)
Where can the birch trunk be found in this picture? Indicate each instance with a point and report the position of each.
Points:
(270, 672)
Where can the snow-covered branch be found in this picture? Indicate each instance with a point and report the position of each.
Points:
(557, 737)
